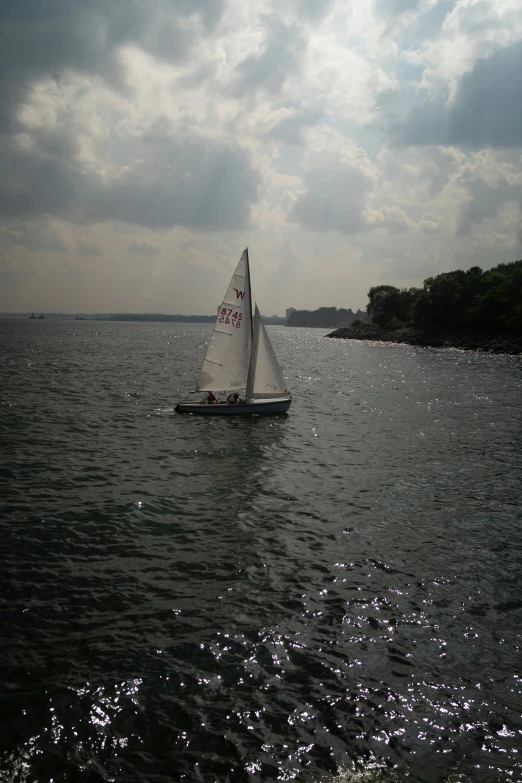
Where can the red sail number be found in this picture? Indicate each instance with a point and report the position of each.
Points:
(227, 316)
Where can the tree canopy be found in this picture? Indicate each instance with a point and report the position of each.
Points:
(326, 317)
(475, 300)
(388, 305)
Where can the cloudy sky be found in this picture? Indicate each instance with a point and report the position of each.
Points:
(349, 143)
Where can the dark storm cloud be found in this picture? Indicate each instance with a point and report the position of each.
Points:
(39, 39)
(192, 183)
(334, 201)
(203, 184)
(87, 248)
(487, 111)
(37, 236)
(168, 179)
(34, 183)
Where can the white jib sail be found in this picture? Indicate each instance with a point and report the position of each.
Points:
(268, 379)
(225, 366)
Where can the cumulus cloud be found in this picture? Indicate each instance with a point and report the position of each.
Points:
(89, 248)
(314, 10)
(291, 129)
(201, 183)
(203, 121)
(466, 31)
(104, 168)
(37, 236)
(429, 226)
(394, 7)
(269, 69)
(485, 200)
(337, 176)
(393, 219)
(40, 40)
(334, 201)
(486, 111)
(143, 248)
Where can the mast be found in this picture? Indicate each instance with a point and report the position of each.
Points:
(253, 357)
(249, 293)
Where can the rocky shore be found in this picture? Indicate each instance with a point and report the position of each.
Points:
(470, 341)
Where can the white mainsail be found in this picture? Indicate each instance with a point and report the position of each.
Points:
(265, 379)
(226, 362)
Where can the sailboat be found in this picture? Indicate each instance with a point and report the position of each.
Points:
(240, 358)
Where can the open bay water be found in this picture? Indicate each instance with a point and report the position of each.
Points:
(331, 595)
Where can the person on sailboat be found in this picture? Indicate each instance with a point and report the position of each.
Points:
(233, 398)
(211, 398)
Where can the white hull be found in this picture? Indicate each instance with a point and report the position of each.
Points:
(256, 408)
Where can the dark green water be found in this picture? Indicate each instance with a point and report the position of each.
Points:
(334, 594)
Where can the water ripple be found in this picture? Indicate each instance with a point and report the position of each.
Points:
(330, 596)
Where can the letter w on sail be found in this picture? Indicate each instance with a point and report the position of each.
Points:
(239, 294)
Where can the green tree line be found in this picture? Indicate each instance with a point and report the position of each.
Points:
(325, 317)
(488, 301)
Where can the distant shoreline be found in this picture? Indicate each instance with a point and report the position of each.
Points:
(469, 341)
(138, 317)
